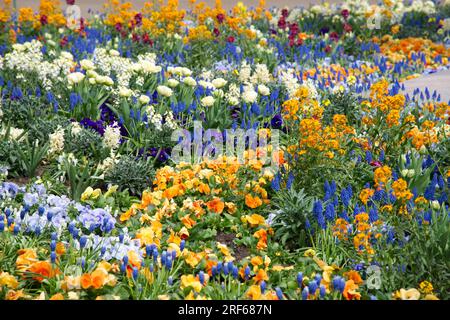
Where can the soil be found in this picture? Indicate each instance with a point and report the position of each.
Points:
(240, 251)
(25, 180)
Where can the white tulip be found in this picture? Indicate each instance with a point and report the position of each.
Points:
(75, 77)
(219, 83)
(172, 83)
(87, 64)
(125, 92)
(144, 99)
(190, 81)
(207, 101)
(164, 91)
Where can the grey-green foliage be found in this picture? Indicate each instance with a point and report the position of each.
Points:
(134, 174)
(293, 207)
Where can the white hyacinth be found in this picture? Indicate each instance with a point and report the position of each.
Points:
(249, 95)
(111, 138)
(56, 141)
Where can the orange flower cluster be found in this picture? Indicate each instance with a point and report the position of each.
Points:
(401, 191)
(51, 9)
(97, 279)
(381, 176)
(198, 33)
(158, 19)
(401, 49)
(381, 100)
(328, 139)
(201, 189)
(28, 263)
(5, 12)
(341, 229)
(336, 73)
(420, 138)
(364, 233)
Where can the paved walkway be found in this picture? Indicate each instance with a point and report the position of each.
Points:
(439, 81)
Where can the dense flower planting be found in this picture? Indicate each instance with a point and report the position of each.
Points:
(354, 206)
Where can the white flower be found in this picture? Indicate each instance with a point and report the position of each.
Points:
(411, 173)
(56, 141)
(207, 101)
(263, 90)
(249, 95)
(92, 74)
(18, 47)
(111, 138)
(446, 25)
(104, 80)
(144, 99)
(190, 81)
(164, 91)
(75, 77)
(219, 83)
(109, 162)
(14, 133)
(435, 205)
(92, 81)
(114, 53)
(234, 101)
(72, 295)
(76, 128)
(150, 67)
(186, 72)
(218, 93)
(87, 64)
(172, 82)
(245, 73)
(125, 92)
(67, 55)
